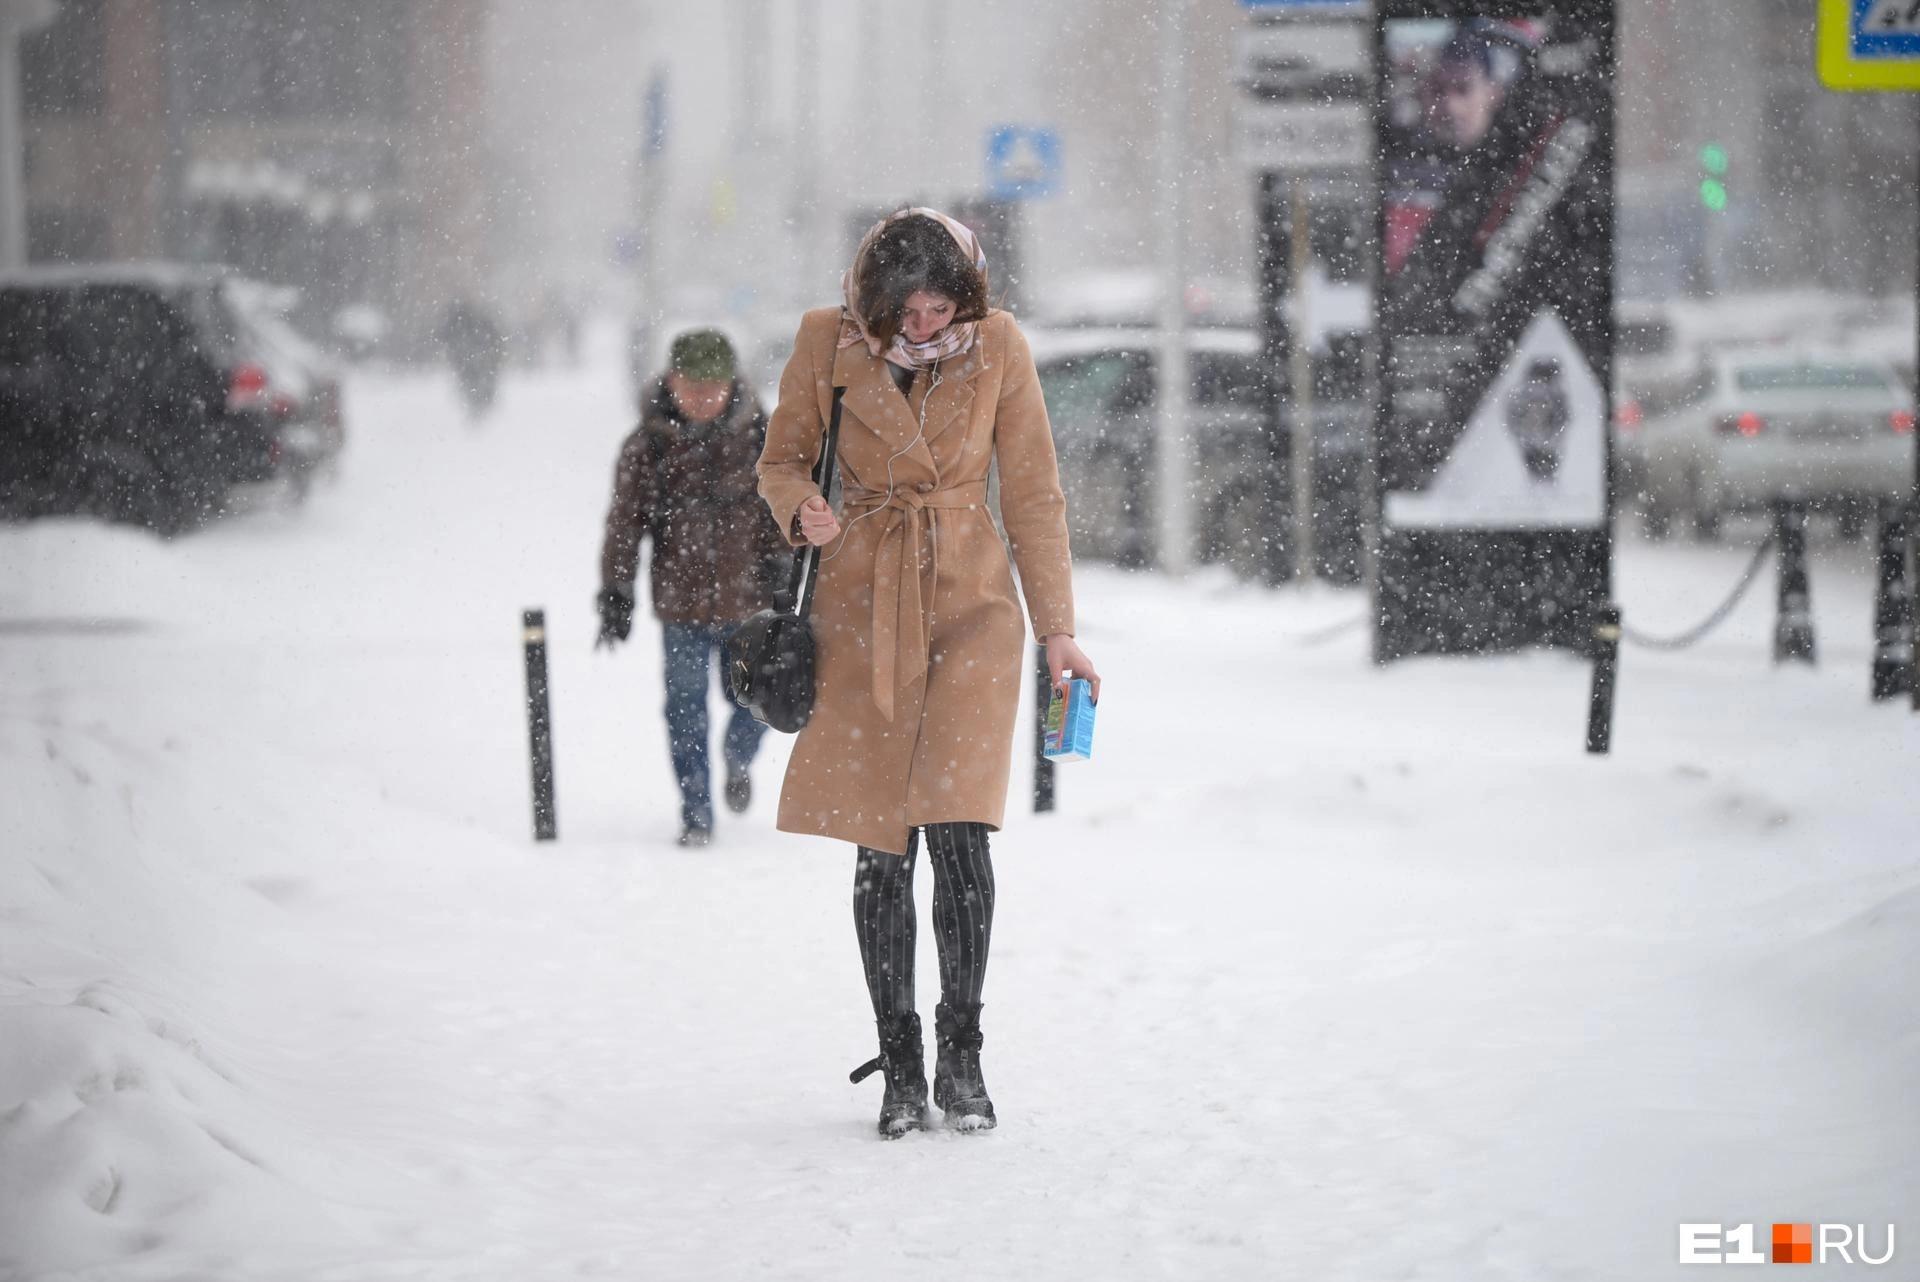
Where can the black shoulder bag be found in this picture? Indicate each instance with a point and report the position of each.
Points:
(770, 656)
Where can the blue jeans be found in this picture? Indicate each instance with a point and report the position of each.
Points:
(689, 650)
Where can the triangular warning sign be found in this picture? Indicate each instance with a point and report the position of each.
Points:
(1534, 453)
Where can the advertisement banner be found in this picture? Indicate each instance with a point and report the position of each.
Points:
(1494, 315)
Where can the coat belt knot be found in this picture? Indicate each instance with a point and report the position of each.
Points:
(900, 607)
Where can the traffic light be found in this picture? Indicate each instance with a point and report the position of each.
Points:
(1713, 177)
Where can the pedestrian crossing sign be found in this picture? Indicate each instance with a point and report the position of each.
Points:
(1869, 44)
(1023, 162)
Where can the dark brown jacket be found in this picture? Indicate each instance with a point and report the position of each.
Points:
(691, 487)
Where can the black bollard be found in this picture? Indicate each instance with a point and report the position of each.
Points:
(1892, 606)
(539, 725)
(1606, 657)
(1793, 620)
(1913, 592)
(1042, 763)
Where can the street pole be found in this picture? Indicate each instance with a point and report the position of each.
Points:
(16, 20)
(805, 157)
(1913, 494)
(1174, 503)
(748, 39)
(1275, 340)
(653, 178)
(1300, 375)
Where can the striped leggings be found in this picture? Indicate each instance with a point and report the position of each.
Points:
(883, 916)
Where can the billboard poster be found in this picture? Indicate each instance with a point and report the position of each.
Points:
(1494, 316)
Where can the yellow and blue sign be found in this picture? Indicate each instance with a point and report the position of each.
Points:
(1869, 44)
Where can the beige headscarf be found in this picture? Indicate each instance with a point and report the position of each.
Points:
(949, 342)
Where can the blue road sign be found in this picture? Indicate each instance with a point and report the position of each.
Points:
(1023, 162)
(1868, 44)
(1886, 29)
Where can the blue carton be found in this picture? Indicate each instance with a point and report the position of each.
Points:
(1069, 728)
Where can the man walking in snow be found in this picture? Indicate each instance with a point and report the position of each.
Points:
(686, 478)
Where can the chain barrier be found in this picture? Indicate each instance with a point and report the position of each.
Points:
(1697, 633)
(1681, 641)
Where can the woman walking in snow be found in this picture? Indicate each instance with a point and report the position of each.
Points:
(918, 626)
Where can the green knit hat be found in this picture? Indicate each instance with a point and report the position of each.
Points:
(703, 355)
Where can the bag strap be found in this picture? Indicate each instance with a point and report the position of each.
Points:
(798, 598)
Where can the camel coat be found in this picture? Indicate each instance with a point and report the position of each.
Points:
(920, 643)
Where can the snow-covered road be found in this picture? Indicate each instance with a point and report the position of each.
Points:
(1321, 971)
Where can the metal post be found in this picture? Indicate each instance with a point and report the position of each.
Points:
(1042, 763)
(652, 170)
(1173, 502)
(1892, 637)
(805, 159)
(17, 18)
(1913, 595)
(539, 725)
(1912, 557)
(1300, 375)
(1606, 659)
(13, 189)
(1275, 337)
(1793, 620)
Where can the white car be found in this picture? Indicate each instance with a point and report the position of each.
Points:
(1102, 388)
(1828, 428)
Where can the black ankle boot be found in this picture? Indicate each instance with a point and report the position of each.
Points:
(958, 1088)
(903, 1059)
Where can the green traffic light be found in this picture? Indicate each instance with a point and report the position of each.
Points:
(1713, 194)
(1713, 159)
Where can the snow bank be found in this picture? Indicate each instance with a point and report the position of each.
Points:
(1321, 970)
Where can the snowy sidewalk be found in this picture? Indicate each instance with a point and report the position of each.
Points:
(1322, 971)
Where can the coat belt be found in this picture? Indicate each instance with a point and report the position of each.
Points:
(899, 638)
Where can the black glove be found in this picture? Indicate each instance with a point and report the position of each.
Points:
(616, 616)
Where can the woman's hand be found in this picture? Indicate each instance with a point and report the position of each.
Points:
(818, 525)
(1063, 655)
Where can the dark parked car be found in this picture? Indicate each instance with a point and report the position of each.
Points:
(146, 393)
(1100, 389)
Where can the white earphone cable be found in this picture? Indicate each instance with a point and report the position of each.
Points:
(932, 386)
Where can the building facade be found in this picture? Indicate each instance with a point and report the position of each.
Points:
(333, 145)
(398, 153)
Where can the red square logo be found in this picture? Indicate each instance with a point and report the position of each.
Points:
(1793, 1244)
